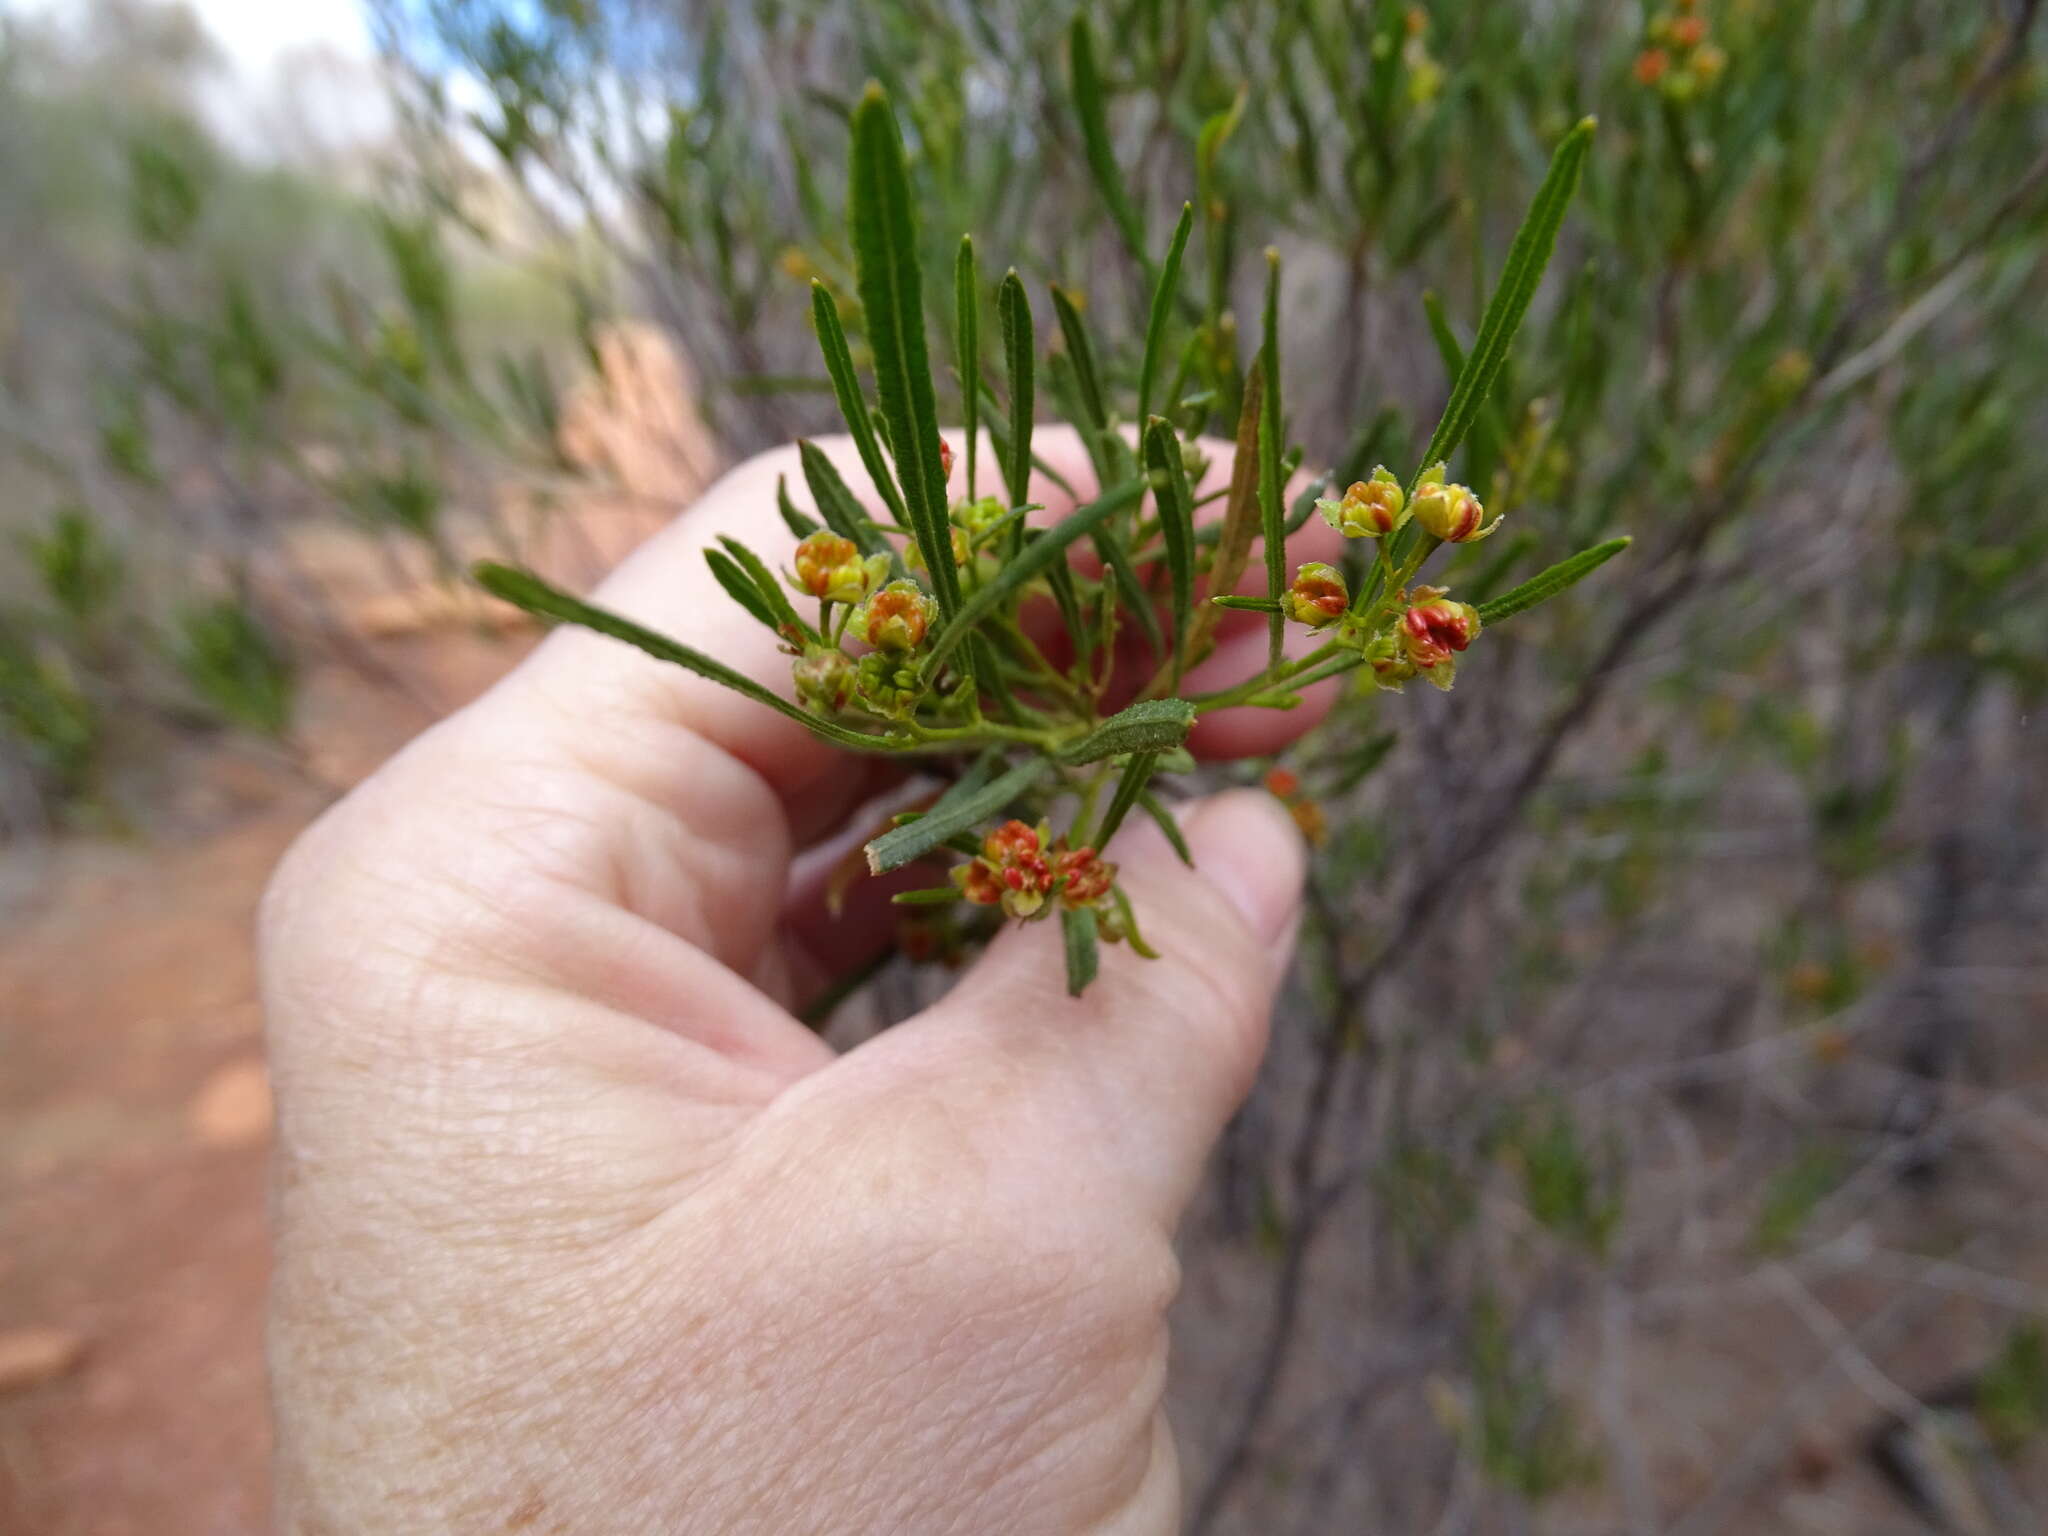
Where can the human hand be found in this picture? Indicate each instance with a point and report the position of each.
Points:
(580, 1230)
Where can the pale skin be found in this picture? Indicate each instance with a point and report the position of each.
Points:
(580, 1230)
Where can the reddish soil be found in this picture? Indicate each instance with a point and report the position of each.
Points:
(134, 1116)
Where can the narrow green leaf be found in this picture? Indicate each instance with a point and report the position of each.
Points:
(930, 896)
(797, 523)
(1037, 554)
(1447, 345)
(1089, 107)
(1272, 514)
(1132, 936)
(960, 809)
(1066, 597)
(1478, 588)
(1013, 314)
(1151, 805)
(1151, 725)
(1082, 356)
(1164, 295)
(884, 231)
(1077, 928)
(1137, 774)
(1547, 584)
(1246, 604)
(740, 589)
(836, 503)
(1170, 494)
(967, 341)
(525, 590)
(1240, 511)
(1519, 278)
(765, 579)
(1134, 600)
(853, 405)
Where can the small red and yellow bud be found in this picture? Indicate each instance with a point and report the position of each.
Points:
(1085, 877)
(1012, 871)
(897, 618)
(825, 680)
(830, 567)
(1282, 784)
(1651, 65)
(1450, 511)
(1317, 597)
(945, 459)
(1370, 509)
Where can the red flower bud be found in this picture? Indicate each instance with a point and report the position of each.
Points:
(1087, 877)
(945, 459)
(1650, 65)
(829, 566)
(895, 618)
(1317, 597)
(1370, 509)
(1450, 511)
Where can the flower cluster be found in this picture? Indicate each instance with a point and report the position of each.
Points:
(1401, 637)
(1023, 869)
(1425, 640)
(1678, 59)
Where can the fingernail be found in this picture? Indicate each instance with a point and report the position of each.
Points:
(1247, 847)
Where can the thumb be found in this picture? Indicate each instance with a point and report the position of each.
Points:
(1138, 1076)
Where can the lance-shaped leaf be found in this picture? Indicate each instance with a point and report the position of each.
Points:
(1082, 355)
(1272, 514)
(1094, 117)
(1013, 314)
(884, 232)
(1164, 295)
(1038, 554)
(796, 522)
(739, 588)
(1519, 277)
(852, 404)
(1152, 806)
(1176, 504)
(1242, 604)
(771, 589)
(1240, 511)
(1137, 774)
(837, 504)
(1448, 348)
(967, 344)
(1548, 584)
(1077, 929)
(1151, 725)
(960, 809)
(525, 590)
